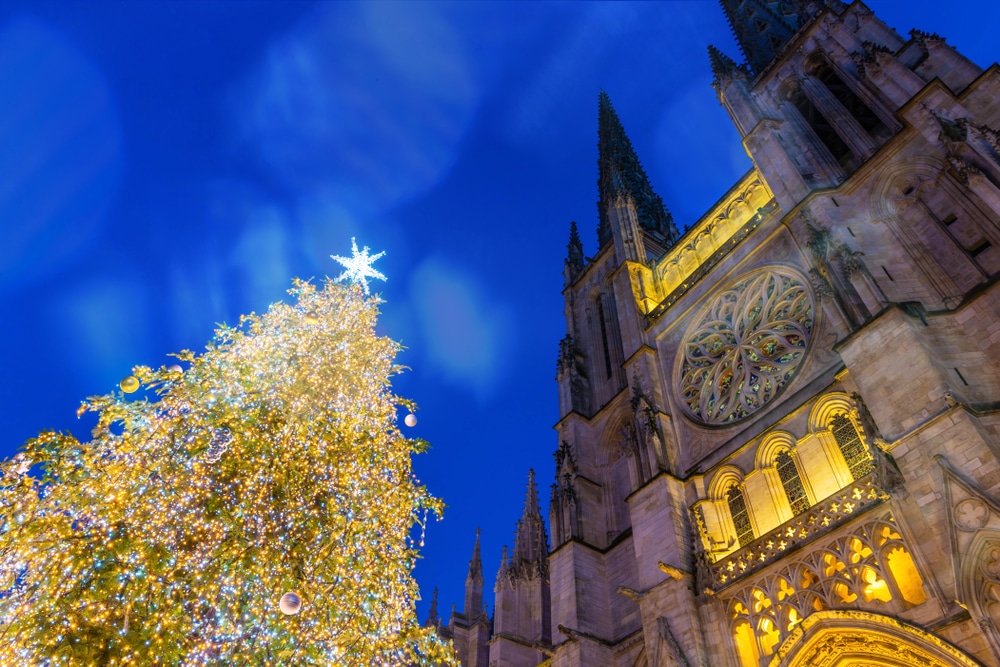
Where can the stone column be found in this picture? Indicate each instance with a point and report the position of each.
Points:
(827, 170)
(846, 125)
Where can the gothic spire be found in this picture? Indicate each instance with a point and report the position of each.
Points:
(722, 65)
(763, 27)
(474, 583)
(476, 563)
(620, 174)
(574, 255)
(432, 614)
(531, 544)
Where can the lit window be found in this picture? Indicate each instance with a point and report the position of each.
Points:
(740, 515)
(849, 440)
(788, 472)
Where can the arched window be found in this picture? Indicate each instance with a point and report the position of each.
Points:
(849, 441)
(855, 106)
(604, 336)
(823, 129)
(740, 515)
(788, 472)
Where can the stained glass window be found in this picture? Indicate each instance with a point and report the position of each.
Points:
(849, 440)
(744, 347)
(789, 474)
(740, 515)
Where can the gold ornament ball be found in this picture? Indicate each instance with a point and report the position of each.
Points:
(311, 318)
(129, 384)
(410, 420)
(290, 603)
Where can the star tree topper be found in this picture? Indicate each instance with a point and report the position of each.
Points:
(358, 267)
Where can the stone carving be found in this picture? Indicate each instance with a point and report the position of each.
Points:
(850, 501)
(850, 571)
(667, 650)
(855, 634)
(571, 364)
(971, 514)
(744, 347)
(706, 244)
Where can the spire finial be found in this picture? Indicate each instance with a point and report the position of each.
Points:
(531, 543)
(722, 65)
(432, 614)
(574, 255)
(620, 174)
(476, 563)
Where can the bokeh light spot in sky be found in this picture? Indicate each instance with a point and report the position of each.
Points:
(466, 334)
(110, 321)
(341, 107)
(62, 161)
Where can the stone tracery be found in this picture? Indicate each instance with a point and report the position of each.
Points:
(866, 568)
(744, 347)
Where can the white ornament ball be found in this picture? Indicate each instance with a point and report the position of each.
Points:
(290, 603)
(410, 420)
(175, 369)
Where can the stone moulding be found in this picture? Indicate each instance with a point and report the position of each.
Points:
(686, 261)
(825, 637)
(854, 499)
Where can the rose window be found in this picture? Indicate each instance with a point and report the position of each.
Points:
(744, 347)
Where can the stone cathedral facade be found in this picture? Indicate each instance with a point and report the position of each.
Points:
(779, 432)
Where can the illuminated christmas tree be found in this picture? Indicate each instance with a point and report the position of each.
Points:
(252, 508)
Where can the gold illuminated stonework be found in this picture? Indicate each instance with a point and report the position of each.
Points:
(744, 346)
(731, 220)
(850, 638)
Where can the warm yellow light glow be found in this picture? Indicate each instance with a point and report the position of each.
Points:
(271, 464)
(875, 588)
(770, 636)
(905, 575)
(746, 645)
(844, 593)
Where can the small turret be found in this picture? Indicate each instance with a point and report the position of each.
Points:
(723, 66)
(575, 260)
(531, 545)
(474, 583)
(522, 618)
(432, 613)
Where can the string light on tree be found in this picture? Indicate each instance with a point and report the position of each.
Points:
(191, 527)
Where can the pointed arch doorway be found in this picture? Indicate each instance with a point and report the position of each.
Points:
(850, 638)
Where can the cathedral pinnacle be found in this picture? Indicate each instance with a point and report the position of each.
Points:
(476, 563)
(574, 255)
(474, 583)
(621, 175)
(722, 65)
(763, 27)
(531, 543)
(432, 614)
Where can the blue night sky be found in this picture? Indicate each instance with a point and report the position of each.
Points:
(167, 166)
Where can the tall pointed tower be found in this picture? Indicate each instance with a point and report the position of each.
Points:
(522, 625)
(471, 629)
(779, 434)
